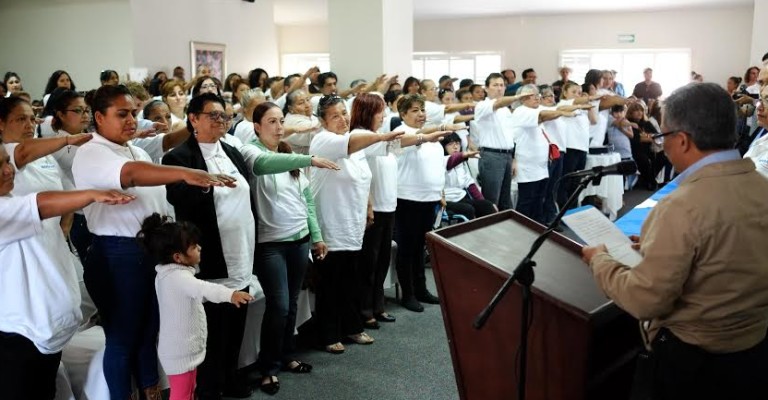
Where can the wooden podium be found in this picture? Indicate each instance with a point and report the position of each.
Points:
(580, 345)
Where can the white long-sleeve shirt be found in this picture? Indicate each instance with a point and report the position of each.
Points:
(183, 329)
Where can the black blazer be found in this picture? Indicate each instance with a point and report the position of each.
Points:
(195, 205)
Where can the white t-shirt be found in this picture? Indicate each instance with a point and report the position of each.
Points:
(532, 152)
(435, 113)
(555, 129)
(492, 128)
(315, 102)
(303, 122)
(64, 158)
(46, 127)
(576, 129)
(245, 132)
(758, 152)
(457, 180)
(341, 197)
(235, 219)
(281, 204)
(39, 290)
(39, 175)
(153, 145)
(97, 165)
(420, 170)
(383, 165)
(280, 101)
(597, 131)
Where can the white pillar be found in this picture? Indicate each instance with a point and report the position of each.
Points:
(759, 33)
(369, 38)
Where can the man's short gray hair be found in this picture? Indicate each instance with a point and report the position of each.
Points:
(706, 112)
(525, 89)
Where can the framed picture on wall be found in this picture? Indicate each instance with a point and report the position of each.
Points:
(212, 55)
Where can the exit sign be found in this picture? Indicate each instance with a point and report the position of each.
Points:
(627, 38)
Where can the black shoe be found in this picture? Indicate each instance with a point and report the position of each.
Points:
(371, 324)
(238, 390)
(270, 388)
(411, 304)
(384, 317)
(428, 298)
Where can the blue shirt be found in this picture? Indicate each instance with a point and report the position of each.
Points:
(718, 157)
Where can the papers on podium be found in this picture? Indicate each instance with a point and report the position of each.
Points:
(594, 228)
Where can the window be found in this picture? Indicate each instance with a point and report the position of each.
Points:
(475, 66)
(671, 67)
(300, 63)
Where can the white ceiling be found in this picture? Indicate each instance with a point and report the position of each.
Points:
(296, 12)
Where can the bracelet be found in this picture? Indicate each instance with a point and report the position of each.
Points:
(419, 139)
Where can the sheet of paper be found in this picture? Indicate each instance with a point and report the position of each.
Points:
(648, 203)
(594, 228)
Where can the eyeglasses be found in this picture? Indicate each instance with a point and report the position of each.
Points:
(329, 100)
(208, 86)
(217, 116)
(659, 137)
(81, 111)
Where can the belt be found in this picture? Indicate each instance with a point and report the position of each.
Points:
(503, 151)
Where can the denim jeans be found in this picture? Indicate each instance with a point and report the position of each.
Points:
(120, 278)
(530, 200)
(555, 172)
(495, 178)
(280, 267)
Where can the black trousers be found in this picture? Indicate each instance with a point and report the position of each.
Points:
(413, 219)
(575, 160)
(470, 207)
(226, 326)
(684, 371)
(25, 372)
(374, 265)
(337, 307)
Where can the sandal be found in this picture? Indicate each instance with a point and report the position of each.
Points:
(297, 368)
(272, 387)
(361, 338)
(336, 348)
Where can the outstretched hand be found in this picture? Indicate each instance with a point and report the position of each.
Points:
(471, 154)
(390, 136)
(112, 197)
(206, 180)
(320, 162)
(239, 298)
(79, 139)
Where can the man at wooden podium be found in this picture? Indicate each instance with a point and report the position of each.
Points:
(702, 286)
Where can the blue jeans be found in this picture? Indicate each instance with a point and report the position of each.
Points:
(495, 178)
(120, 278)
(280, 267)
(555, 172)
(530, 200)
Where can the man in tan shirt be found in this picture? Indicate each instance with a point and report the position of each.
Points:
(702, 285)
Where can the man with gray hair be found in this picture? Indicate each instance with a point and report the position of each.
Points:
(702, 285)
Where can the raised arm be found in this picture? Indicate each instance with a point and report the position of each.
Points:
(361, 140)
(450, 108)
(33, 149)
(506, 101)
(554, 114)
(609, 101)
(175, 138)
(58, 203)
(140, 173)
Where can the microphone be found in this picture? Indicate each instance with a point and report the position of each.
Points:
(623, 168)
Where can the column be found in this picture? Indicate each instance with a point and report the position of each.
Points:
(369, 38)
(759, 33)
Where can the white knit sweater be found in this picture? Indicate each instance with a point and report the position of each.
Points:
(183, 330)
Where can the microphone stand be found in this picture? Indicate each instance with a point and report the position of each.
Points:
(523, 274)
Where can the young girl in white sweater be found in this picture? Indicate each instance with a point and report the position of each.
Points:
(180, 296)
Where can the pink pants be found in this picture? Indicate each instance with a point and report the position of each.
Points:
(183, 385)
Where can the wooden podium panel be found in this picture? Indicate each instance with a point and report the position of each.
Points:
(580, 345)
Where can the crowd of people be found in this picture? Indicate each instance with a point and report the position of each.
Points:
(172, 194)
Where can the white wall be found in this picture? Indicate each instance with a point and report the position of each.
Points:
(759, 32)
(719, 38)
(165, 28)
(81, 37)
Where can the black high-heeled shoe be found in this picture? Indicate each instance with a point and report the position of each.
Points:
(270, 388)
